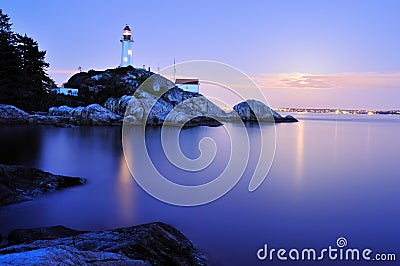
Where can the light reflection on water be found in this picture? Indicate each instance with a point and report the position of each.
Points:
(330, 178)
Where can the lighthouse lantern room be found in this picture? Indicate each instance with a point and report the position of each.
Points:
(126, 56)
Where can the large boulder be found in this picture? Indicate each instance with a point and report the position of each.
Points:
(148, 244)
(175, 109)
(200, 106)
(153, 106)
(118, 106)
(176, 95)
(93, 114)
(19, 183)
(253, 110)
(136, 108)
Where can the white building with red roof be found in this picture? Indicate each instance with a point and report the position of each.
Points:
(191, 85)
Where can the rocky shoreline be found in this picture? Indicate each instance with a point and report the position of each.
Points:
(19, 183)
(138, 97)
(197, 111)
(147, 244)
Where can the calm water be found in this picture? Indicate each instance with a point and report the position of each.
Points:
(333, 175)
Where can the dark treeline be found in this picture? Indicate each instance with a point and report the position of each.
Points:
(23, 78)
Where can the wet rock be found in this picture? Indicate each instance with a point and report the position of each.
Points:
(19, 183)
(148, 244)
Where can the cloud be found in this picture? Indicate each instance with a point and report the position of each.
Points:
(360, 80)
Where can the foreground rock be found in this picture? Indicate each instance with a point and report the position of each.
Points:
(19, 183)
(148, 244)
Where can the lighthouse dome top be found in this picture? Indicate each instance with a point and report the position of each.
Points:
(127, 33)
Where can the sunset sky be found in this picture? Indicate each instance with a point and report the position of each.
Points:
(340, 54)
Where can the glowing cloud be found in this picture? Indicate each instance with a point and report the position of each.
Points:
(363, 80)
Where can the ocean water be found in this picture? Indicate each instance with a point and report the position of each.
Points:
(332, 176)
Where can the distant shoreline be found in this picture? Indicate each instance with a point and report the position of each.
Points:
(337, 111)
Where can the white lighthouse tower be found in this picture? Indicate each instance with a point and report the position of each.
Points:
(126, 56)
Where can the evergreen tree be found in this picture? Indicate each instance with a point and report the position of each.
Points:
(23, 78)
(9, 58)
(33, 65)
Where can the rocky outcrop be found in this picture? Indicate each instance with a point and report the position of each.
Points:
(10, 114)
(19, 183)
(148, 244)
(124, 80)
(62, 116)
(174, 108)
(253, 110)
(93, 114)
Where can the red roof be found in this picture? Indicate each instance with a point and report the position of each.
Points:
(127, 27)
(187, 81)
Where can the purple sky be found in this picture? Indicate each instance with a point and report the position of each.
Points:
(301, 53)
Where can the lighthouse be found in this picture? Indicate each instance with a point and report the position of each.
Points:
(126, 56)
